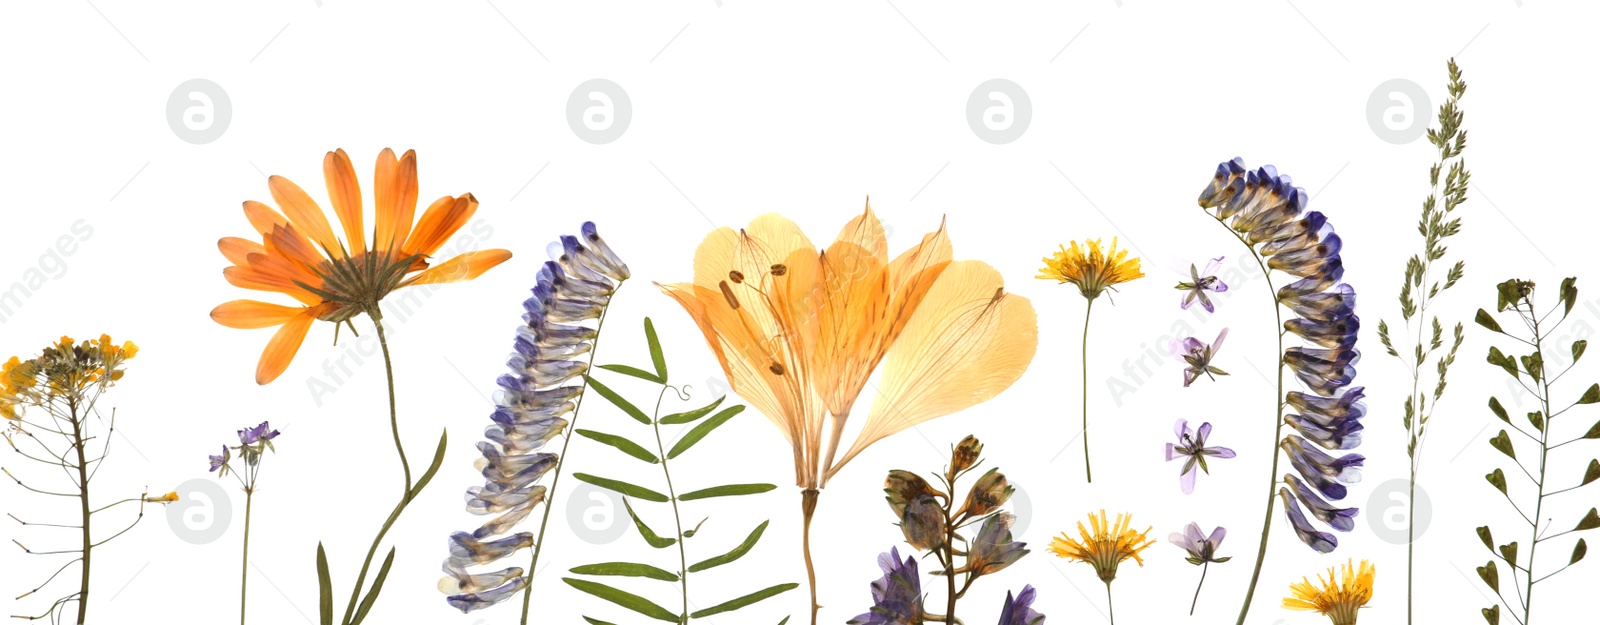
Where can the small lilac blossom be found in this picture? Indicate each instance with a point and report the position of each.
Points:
(1191, 446)
(1202, 282)
(1197, 355)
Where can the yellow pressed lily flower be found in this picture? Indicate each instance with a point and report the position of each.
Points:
(799, 331)
(333, 279)
(1339, 597)
(1104, 546)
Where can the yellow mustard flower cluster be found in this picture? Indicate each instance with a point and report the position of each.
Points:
(65, 369)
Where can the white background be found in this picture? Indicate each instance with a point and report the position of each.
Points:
(805, 109)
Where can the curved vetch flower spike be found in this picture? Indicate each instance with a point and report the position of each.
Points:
(531, 404)
(337, 279)
(1265, 209)
(1198, 355)
(1191, 446)
(897, 596)
(1019, 610)
(1201, 282)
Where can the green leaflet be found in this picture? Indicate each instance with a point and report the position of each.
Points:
(377, 585)
(620, 444)
(626, 569)
(622, 487)
(324, 588)
(700, 431)
(692, 415)
(617, 400)
(729, 490)
(735, 554)
(657, 358)
(648, 534)
(633, 371)
(745, 600)
(623, 598)
(595, 621)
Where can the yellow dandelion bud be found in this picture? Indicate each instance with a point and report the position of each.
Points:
(167, 498)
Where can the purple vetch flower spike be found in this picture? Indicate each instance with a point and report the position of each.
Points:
(1201, 282)
(1019, 610)
(550, 353)
(1197, 356)
(1191, 446)
(897, 596)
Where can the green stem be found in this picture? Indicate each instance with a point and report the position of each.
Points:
(1196, 601)
(1411, 511)
(672, 495)
(244, 560)
(1088, 473)
(83, 501)
(1277, 433)
(1544, 450)
(1110, 611)
(408, 495)
(566, 439)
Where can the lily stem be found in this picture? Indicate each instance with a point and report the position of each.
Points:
(808, 509)
(1088, 473)
(566, 439)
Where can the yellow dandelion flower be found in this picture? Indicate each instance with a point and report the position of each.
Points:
(1104, 545)
(1093, 270)
(1339, 597)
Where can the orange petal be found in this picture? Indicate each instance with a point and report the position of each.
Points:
(304, 213)
(442, 219)
(968, 341)
(258, 280)
(238, 250)
(395, 192)
(283, 346)
(345, 191)
(262, 217)
(244, 314)
(464, 267)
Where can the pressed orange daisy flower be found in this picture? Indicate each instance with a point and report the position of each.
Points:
(1104, 546)
(1339, 597)
(1093, 272)
(299, 254)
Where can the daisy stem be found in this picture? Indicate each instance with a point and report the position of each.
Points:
(1197, 588)
(405, 499)
(1088, 473)
(566, 439)
(1277, 431)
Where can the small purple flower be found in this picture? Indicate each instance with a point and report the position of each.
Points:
(1019, 610)
(993, 549)
(1196, 290)
(1198, 356)
(218, 462)
(260, 433)
(1201, 548)
(897, 596)
(1191, 445)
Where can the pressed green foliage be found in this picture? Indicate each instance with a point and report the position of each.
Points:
(621, 487)
(324, 588)
(1498, 479)
(621, 444)
(377, 585)
(626, 569)
(700, 431)
(735, 554)
(735, 604)
(1578, 551)
(623, 598)
(1592, 473)
(1491, 575)
(1502, 442)
(728, 490)
(1499, 410)
(634, 492)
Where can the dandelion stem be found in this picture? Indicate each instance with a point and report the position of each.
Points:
(244, 560)
(566, 439)
(1277, 432)
(1110, 610)
(1088, 473)
(1196, 601)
